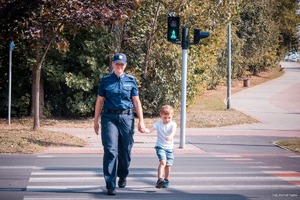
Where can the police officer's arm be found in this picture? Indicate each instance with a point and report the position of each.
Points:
(139, 111)
(98, 108)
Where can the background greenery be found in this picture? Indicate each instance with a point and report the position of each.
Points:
(262, 32)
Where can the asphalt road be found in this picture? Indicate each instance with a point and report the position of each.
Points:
(206, 176)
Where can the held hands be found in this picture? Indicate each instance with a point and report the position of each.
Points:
(147, 130)
(142, 127)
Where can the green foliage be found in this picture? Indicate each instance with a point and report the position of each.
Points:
(79, 81)
(80, 103)
(238, 68)
(257, 36)
(161, 85)
(262, 31)
(73, 76)
(288, 20)
(20, 106)
(153, 61)
(41, 24)
(157, 63)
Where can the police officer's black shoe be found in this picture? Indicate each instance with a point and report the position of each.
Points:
(122, 182)
(111, 192)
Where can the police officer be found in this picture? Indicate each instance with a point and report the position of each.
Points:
(117, 95)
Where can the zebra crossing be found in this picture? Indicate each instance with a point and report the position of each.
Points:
(190, 177)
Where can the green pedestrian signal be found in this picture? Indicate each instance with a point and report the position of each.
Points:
(173, 35)
(173, 29)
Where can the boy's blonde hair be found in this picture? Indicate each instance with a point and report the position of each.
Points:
(166, 110)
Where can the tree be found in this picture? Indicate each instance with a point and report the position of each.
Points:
(158, 62)
(269, 29)
(261, 32)
(72, 77)
(41, 22)
(288, 16)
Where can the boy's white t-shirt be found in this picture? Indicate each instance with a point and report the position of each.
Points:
(164, 130)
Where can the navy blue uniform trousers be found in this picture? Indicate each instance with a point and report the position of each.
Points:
(117, 139)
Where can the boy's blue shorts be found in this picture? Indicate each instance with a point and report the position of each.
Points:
(165, 154)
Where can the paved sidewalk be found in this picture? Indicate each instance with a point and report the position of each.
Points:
(143, 143)
(276, 104)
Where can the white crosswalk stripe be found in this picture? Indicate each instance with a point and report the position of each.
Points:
(149, 179)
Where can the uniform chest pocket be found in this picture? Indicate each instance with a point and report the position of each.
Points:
(126, 90)
(111, 90)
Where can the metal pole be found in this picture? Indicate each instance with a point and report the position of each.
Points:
(9, 85)
(11, 47)
(185, 45)
(229, 68)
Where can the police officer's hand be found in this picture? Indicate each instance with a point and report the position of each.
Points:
(142, 127)
(96, 127)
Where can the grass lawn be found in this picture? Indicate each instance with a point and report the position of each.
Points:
(292, 144)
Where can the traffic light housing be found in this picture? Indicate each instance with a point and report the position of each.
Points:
(173, 29)
(199, 35)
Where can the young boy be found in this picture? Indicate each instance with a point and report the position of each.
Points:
(166, 129)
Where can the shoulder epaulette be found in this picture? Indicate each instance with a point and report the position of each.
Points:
(106, 76)
(130, 76)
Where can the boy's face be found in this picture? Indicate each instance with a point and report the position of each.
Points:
(166, 118)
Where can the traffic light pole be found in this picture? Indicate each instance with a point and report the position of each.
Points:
(229, 68)
(173, 36)
(11, 48)
(185, 46)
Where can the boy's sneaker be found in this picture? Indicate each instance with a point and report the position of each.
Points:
(166, 184)
(160, 182)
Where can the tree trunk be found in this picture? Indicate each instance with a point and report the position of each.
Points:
(116, 44)
(33, 93)
(36, 94)
(37, 80)
(42, 100)
(150, 40)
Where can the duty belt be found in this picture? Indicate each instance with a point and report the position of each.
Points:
(126, 111)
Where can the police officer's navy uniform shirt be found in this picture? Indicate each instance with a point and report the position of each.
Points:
(118, 91)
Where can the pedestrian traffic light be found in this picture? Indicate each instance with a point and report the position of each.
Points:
(173, 29)
(199, 35)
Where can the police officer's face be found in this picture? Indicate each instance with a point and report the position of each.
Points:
(119, 68)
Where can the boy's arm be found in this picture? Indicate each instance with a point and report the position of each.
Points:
(149, 130)
(169, 137)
